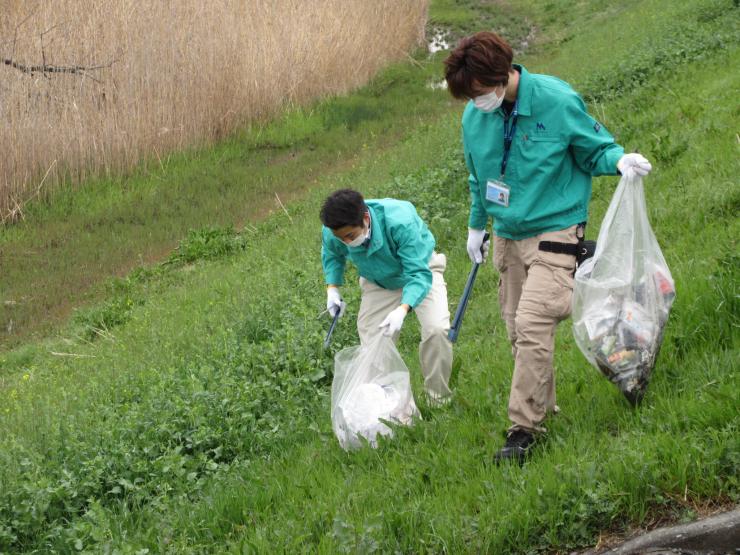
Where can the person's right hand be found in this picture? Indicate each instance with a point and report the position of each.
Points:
(476, 245)
(334, 302)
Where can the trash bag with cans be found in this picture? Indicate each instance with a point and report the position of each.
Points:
(371, 388)
(623, 294)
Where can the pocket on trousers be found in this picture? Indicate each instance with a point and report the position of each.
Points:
(560, 303)
(548, 291)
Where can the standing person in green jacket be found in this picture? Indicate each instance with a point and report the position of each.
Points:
(393, 250)
(531, 149)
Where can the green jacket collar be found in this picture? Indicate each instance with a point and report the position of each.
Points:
(524, 92)
(376, 234)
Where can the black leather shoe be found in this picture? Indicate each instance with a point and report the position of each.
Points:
(517, 447)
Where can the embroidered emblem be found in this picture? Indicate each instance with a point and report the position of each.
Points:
(540, 126)
(597, 127)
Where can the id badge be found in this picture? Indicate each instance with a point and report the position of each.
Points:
(497, 192)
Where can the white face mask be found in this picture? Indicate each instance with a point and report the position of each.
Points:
(488, 102)
(359, 240)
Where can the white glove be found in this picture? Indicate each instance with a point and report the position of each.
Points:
(634, 162)
(393, 321)
(476, 244)
(334, 302)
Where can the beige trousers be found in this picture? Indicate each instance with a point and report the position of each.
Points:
(435, 350)
(535, 292)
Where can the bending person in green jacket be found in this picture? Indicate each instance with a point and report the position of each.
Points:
(393, 250)
(531, 149)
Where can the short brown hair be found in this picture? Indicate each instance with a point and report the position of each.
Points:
(483, 58)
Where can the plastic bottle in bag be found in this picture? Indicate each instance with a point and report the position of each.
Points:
(623, 294)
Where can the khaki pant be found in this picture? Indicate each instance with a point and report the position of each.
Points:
(535, 292)
(435, 350)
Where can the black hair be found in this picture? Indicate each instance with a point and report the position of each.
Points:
(342, 208)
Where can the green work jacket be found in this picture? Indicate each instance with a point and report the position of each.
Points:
(397, 256)
(557, 147)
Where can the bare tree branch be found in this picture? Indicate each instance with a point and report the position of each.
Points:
(41, 40)
(15, 33)
(45, 68)
(48, 68)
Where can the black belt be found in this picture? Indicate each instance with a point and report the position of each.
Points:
(581, 250)
(560, 248)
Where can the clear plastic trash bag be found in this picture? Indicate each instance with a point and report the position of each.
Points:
(623, 294)
(371, 384)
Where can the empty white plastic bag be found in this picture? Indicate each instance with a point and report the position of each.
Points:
(623, 294)
(371, 384)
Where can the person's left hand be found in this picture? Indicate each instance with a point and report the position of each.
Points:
(393, 321)
(634, 162)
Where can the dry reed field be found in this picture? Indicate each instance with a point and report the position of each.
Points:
(90, 88)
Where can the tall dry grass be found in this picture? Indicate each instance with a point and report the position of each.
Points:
(175, 73)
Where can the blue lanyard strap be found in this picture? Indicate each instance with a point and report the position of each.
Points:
(509, 135)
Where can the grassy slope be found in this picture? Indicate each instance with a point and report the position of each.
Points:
(202, 422)
(60, 256)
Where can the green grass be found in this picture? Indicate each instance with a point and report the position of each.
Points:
(459, 18)
(194, 416)
(62, 254)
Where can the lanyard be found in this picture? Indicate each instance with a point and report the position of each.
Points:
(509, 135)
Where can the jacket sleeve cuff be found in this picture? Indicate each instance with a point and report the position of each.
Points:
(414, 294)
(412, 298)
(611, 157)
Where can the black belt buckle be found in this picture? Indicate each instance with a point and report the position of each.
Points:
(586, 250)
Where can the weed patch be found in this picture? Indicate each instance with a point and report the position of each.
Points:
(701, 30)
(200, 421)
(204, 244)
